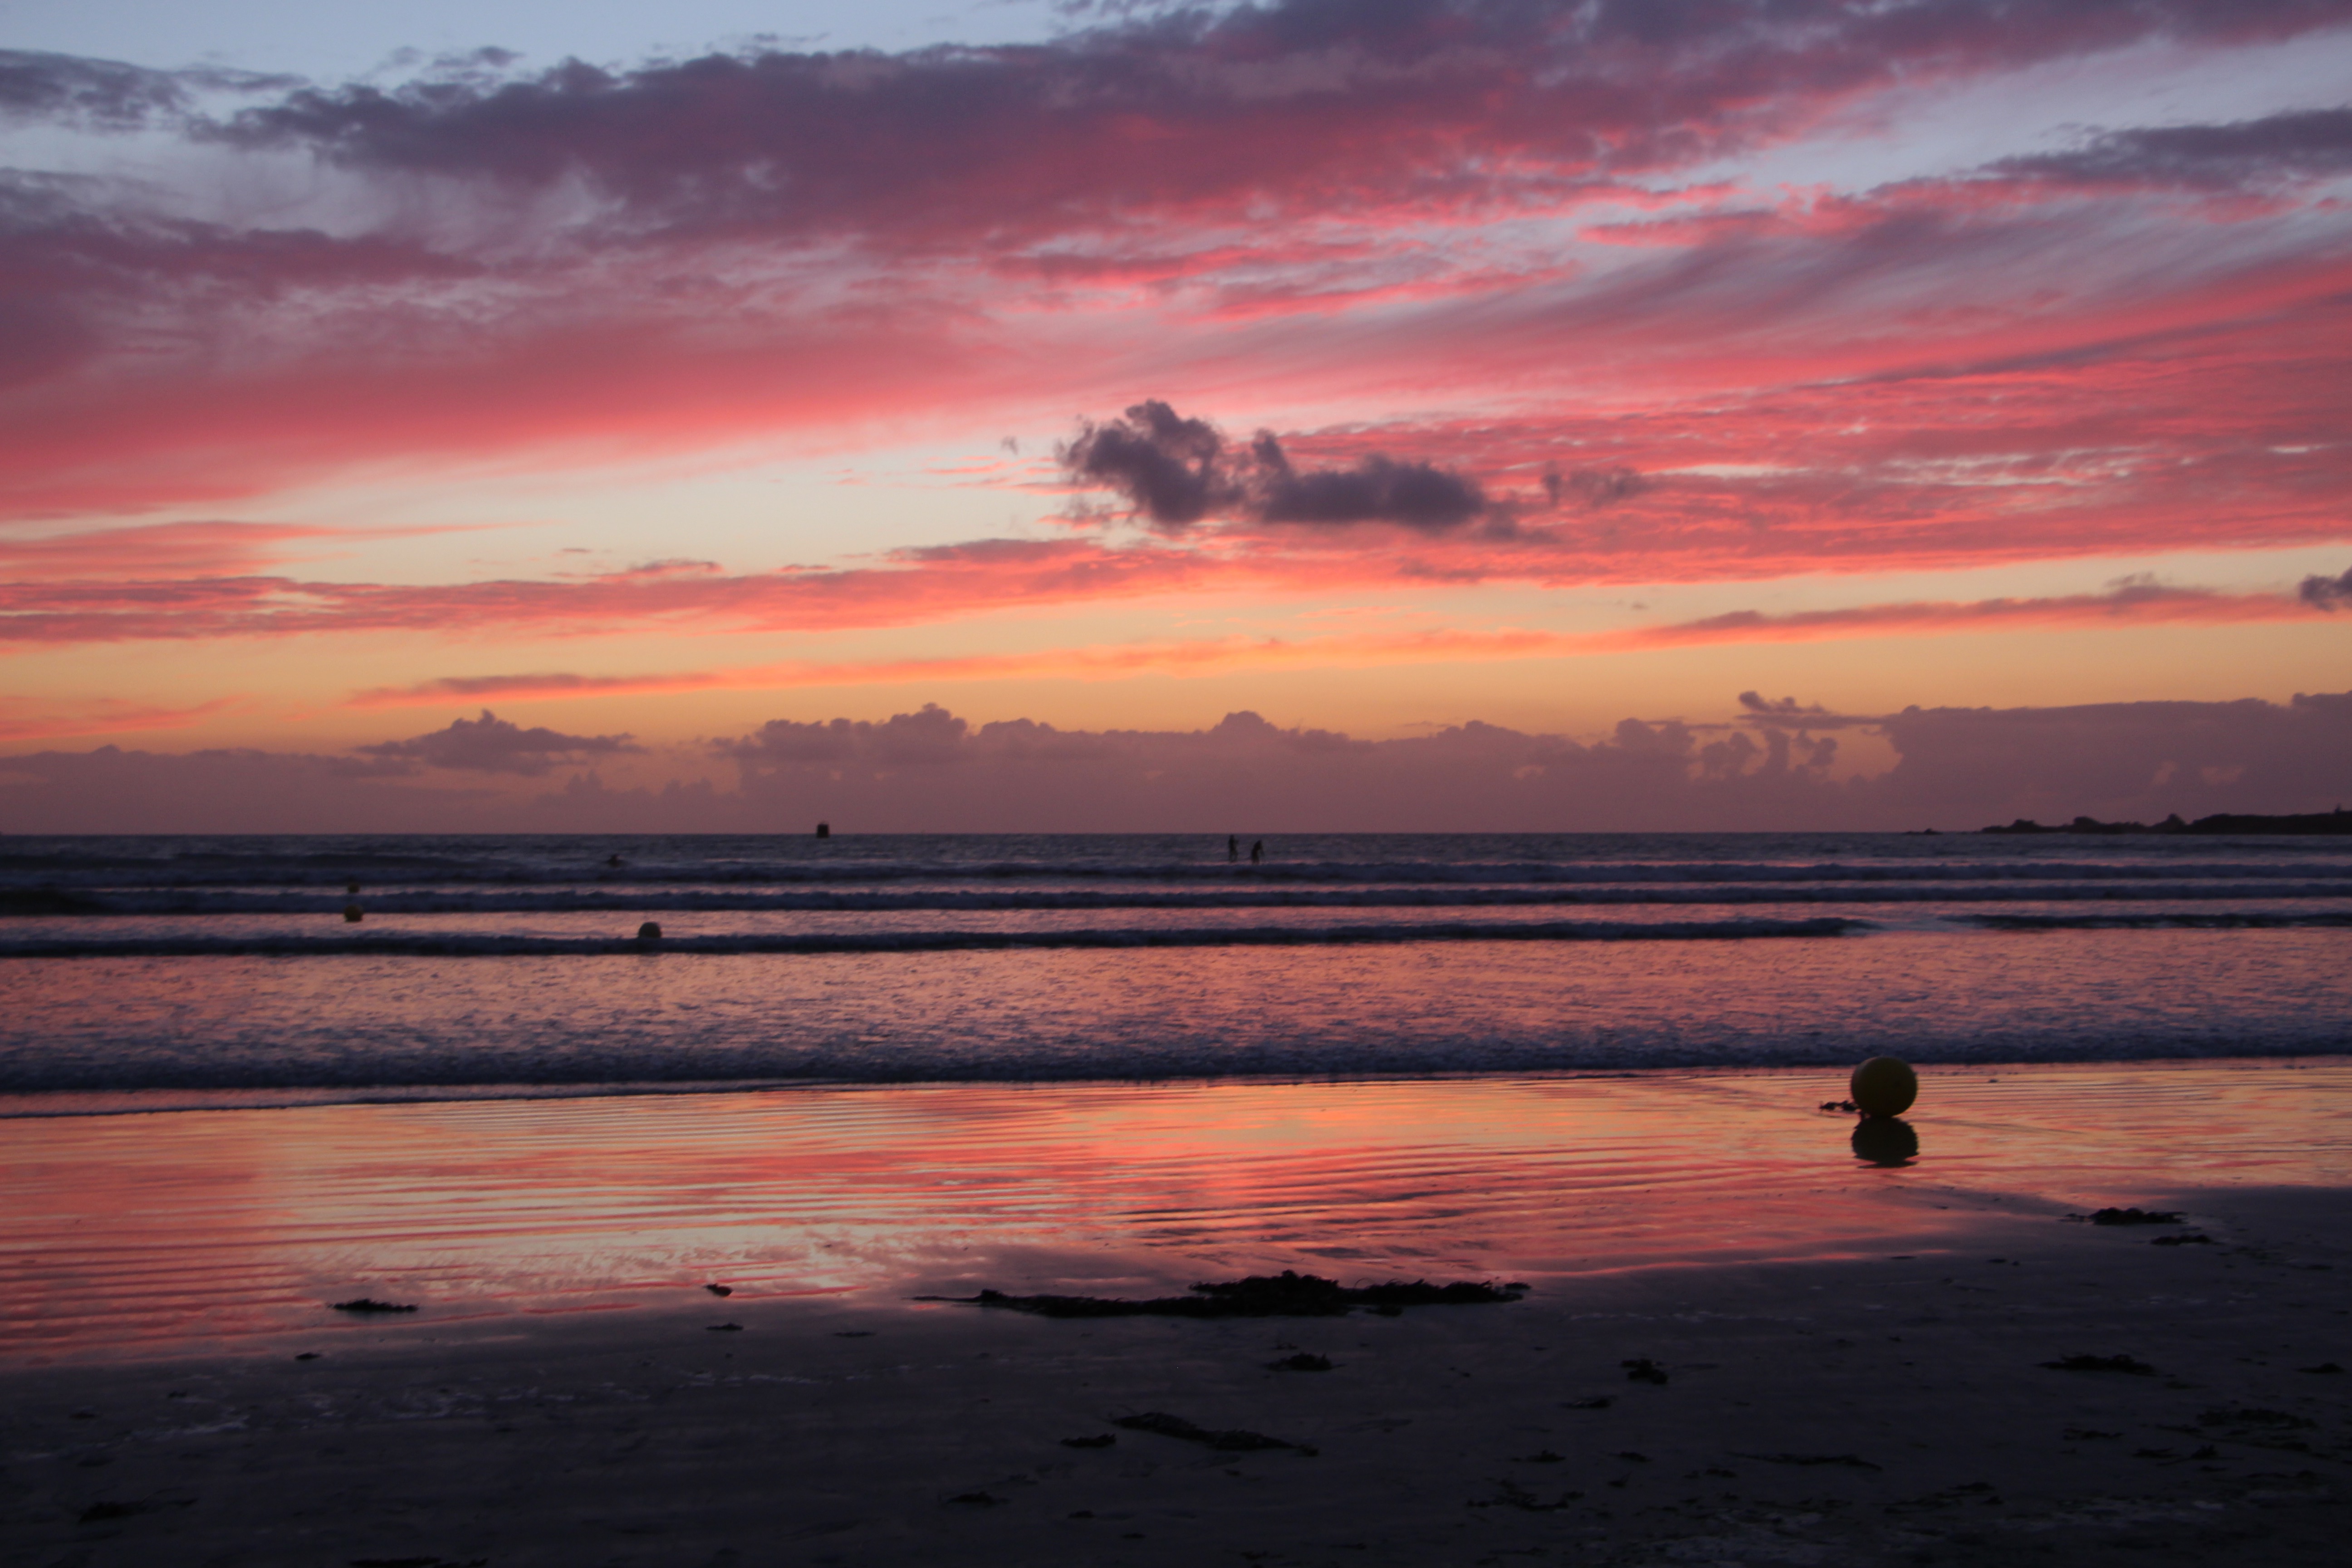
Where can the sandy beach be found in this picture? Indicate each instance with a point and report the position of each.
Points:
(1765, 1361)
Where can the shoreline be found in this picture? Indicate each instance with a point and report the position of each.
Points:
(1865, 1410)
(31, 1105)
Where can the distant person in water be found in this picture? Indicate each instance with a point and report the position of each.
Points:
(1257, 851)
(1232, 848)
(612, 859)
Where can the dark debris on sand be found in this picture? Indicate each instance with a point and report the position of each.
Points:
(1302, 1361)
(2254, 1417)
(2136, 1217)
(1232, 1440)
(1849, 1461)
(1510, 1494)
(1288, 1294)
(102, 1512)
(2101, 1364)
(367, 1304)
(1642, 1369)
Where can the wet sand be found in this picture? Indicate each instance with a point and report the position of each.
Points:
(1877, 1395)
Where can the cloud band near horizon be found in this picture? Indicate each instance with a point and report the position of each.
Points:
(930, 771)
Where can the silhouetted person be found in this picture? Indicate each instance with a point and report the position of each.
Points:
(612, 859)
(1257, 851)
(1233, 851)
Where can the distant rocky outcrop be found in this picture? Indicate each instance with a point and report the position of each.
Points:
(2338, 821)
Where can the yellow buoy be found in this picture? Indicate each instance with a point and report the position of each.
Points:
(1885, 1085)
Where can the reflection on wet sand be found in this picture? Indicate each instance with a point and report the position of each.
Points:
(213, 1225)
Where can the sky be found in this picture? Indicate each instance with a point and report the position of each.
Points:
(1464, 414)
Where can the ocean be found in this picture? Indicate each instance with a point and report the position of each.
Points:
(165, 972)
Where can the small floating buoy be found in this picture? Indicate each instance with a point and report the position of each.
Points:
(352, 914)
(649, 932)
(351, 887)
(1885, 1085)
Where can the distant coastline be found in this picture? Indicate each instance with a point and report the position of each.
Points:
(2338, 821)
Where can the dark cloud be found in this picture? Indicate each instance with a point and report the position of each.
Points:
(2245, 153)
(1325, 101)
(2325, 592)
(1172, 469)
(72, 265)
(1177, 471)
(494, 746)
(1377, 489)
(1785, 706)
(109, 95)
(1594, 487)
(103, 94)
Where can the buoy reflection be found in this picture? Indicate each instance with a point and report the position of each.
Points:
(1886, 1140)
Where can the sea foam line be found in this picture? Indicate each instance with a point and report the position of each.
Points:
(26, 876)
(496, 945)
(655, 900)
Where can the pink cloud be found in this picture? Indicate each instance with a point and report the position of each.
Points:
(205, 549)
(779, 243)
(1591, 526)
(1299, 105)
(2130, 605)
(33, 719)
(921, 585)
(167, 549)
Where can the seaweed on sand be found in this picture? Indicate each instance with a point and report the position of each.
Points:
(1231, 1440)
(2132, 1364)
(1288, 1294)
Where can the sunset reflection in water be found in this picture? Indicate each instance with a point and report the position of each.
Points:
(129, 1230)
